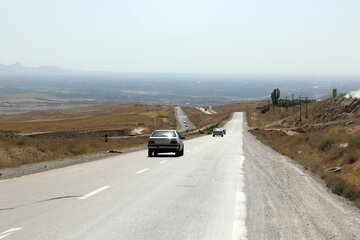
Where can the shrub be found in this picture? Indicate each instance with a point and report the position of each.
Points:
(337, 185)
(210, 129)
(265, 109)
(326, 144)
(352, 156)
(350, 192)
(355, 142)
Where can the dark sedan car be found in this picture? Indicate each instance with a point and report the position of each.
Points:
(164, 141)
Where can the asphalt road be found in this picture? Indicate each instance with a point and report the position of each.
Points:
(228, 187)
(181, 116)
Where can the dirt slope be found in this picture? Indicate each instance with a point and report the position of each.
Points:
(328, 137)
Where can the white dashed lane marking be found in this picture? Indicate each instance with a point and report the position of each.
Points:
(93, 192)
(142, 170)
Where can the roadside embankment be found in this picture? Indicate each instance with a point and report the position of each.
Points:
(327, 138)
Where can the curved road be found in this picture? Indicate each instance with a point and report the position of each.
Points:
(222, 188)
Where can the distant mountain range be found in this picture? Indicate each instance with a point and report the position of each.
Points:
(18, 68)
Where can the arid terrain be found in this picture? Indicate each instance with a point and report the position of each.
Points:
(49, 135)
(326, 136)
(25, 102)
(202, 120)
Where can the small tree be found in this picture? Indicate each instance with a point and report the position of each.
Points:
(275, 95)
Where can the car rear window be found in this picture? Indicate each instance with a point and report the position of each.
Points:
(163, 134)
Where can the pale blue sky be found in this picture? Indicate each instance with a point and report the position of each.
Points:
(198, 36)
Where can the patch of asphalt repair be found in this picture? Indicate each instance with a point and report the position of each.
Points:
(27, 169)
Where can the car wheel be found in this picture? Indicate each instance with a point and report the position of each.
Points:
(182, 152)
(213, 135)
(222, 135)
(150, 153)
(155, 153)
(177, 153)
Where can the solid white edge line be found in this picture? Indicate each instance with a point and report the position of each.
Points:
(142, 170)
(163, 161)
(5, 235)
(239, 226)
(9, 232)
(93, 192)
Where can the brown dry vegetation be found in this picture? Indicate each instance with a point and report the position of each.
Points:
(93, 118)
(200, 119)
(23, 150)
(48, 135)
(329, 137)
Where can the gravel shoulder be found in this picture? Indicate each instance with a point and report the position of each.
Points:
(286, 201)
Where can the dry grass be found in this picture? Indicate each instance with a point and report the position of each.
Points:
(201, 119)
(24, 150)
(320, 150)
(98, 117)
(329, 137)
(48, 135)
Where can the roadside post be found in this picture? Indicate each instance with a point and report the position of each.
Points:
(106, 142)
(307, 115)
(300, 110)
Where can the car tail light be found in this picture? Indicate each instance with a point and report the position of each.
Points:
(151, 142)
(173, 141)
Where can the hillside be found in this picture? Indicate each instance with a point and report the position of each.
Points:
(326, 137)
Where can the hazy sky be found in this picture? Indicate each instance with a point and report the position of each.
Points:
(254, 36)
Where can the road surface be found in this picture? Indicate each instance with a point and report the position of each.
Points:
(184, 123)
(228, 187)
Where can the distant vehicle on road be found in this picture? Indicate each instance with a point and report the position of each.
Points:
(218, 131)
(224, 130)
(133, 134)
(184, 121)
(164, 141)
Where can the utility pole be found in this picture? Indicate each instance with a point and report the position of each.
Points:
(292, 95)
(300, 110)
(286, 103)
(306, 103)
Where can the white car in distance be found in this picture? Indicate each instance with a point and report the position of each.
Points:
(218, 131)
